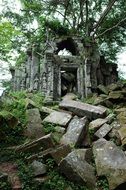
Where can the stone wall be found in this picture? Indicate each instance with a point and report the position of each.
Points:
(45, 74)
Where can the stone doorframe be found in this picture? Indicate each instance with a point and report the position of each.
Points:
(57, 79)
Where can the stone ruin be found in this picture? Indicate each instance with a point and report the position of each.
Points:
(56, 75)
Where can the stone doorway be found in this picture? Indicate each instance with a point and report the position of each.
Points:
(68, 80)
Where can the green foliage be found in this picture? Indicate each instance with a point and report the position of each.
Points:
(7, 33)
(16, 105)
(48, 128)
(103, 183)
(21, 59)
(13, 106)
(57, 28)
(89, 100)
(26, 176)
(56, 180)
(5, 186)
(74, 19)
(91, 134)
(38, 98)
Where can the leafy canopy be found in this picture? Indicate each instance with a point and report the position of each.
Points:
(102, 21)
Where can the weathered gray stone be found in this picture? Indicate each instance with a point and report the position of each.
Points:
(103, 89)
(114, 86)
(78, 170)
(57, 153)
(60, 152)
(103, 131)
(122, 134)
(34, 127)
(44, 112)
(122, 118)
(69, 96)
(60, 130)
(42, 143)
(83, 109)
(115, 95)
(58, 133)
(29, 104)
(76, 132)
(38, 168)
(110, 161)
(97, 123)
(114, 134)
(85, 154)
(58, 118)
(8, 118)
(110, 118)
(119, 110)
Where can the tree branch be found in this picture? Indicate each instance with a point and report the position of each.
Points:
(65, 13)
(63, 17)
(109, 29)
(106, 11)
(87, 18)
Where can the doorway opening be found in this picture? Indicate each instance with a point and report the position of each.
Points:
(68, 80)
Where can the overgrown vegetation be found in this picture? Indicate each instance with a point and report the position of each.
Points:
(13, 117)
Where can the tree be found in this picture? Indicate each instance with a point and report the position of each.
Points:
(101, 22)
(7, 34)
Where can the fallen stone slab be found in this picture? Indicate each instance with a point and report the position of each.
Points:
(122, 118)
(29, 104)
(8, 118)
(34, 128)
(97, 123)
(83, 109)
(78, 170)
(58, 118)
(115, 95)
(103, 89)
(114, 134)
(110, 161)
(38, 168)
(119, 110)
(45, 111)
(60, 152)
(69, 96)
(85, 154)
(57, 153)
(114, 86)
(122, 134)
(76, 132)
(110, 118)
(103, 131)
(44, 142)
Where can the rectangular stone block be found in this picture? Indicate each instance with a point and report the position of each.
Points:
(58, 118)
(76, 132)
(83, 109)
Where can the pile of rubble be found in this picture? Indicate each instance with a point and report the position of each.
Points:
(91, 140)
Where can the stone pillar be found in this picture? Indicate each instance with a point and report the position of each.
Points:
(28, 72)
(50, 73)
(87, 69)
(80, 80)
(56, 82)
(34, 79)
(22, 77)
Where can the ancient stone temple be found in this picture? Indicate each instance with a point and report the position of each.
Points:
(55, 75)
